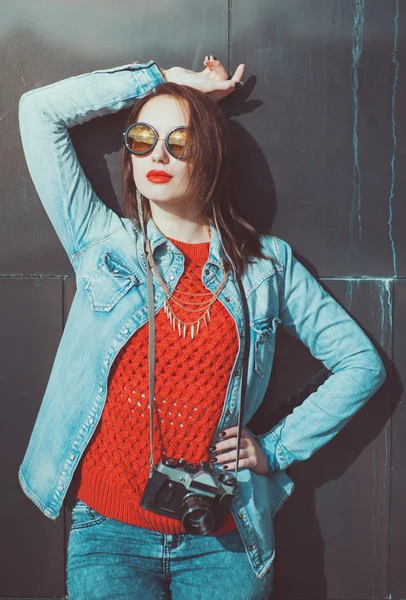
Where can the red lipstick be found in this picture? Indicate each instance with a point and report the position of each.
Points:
(158, 176)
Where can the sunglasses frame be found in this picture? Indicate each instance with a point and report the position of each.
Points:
(156, 138)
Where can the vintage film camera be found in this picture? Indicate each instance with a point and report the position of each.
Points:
(191, 493)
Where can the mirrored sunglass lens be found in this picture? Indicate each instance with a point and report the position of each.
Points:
(178, 142)
(140, 139)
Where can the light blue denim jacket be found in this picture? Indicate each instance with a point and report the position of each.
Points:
(110, 304)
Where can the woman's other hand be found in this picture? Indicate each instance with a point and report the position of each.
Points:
(213, 80)
(251, 454)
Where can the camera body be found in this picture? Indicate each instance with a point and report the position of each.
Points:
(191, 493)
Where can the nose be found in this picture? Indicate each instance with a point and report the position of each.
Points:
(160, 153)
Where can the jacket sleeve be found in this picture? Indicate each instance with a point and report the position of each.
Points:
(78, 216)
(309, 313)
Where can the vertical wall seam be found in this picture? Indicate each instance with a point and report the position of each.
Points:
(229, 35)
(393, 107)
(358, 10)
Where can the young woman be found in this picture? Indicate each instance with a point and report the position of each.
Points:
(152, 367)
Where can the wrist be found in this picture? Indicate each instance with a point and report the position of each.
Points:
(163, 73)
(170, 74)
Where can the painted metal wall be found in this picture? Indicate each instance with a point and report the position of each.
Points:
(319, 142)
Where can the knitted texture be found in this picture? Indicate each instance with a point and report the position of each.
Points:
(191, 378)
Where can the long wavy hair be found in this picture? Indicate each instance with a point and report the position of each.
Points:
(209, 170)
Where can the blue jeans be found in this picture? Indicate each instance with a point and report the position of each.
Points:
(110, 559)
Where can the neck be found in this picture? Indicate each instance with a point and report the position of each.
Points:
(186, 228)
(197, 239)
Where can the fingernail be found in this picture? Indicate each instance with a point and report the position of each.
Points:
(225, 467)
(215, 58)
(222, 433)
(212, 448)
(213, 460)
(239, 84)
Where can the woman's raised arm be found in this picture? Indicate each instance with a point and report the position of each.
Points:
(45, 114)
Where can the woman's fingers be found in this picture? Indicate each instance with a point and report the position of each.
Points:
(220, 88)
(215, 68)
(239, 72)
(227, 449)
(250, 454)
(231, 455)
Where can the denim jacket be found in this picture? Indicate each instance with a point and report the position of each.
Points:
(110, 304)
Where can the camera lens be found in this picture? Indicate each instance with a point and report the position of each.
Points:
(196, 515)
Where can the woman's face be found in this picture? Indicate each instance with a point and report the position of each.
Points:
(163, 113)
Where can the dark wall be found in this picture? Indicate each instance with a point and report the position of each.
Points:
(319, 141)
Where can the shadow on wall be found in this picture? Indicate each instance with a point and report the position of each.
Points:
(302, 524)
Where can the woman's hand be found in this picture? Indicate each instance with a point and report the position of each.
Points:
(251, 454)
(213, 80)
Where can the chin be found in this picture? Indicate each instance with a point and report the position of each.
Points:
(159, 193)
(155, 190)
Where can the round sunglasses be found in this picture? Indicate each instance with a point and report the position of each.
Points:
(140, 138)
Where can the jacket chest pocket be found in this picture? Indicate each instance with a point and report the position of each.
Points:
(109, 282)
(264, 342)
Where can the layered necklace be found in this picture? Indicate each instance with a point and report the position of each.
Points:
(195, 306)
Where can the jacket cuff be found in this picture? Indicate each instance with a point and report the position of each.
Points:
(278, 457)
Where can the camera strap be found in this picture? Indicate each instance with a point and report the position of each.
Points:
(151, 355)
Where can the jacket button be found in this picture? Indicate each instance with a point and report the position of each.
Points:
(60, 488)
(228, 413)
(250, 547)
(91, 421)
(71, 456)
(236, 373)
(100, 389)
(227, 299)
(239, 515)
(125, 330)
(207, 271)
(172, 277)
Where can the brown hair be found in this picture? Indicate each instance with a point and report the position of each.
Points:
(210, 144)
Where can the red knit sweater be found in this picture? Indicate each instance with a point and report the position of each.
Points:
(191, 378)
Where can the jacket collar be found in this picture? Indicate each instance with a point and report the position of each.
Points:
(157, 238)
